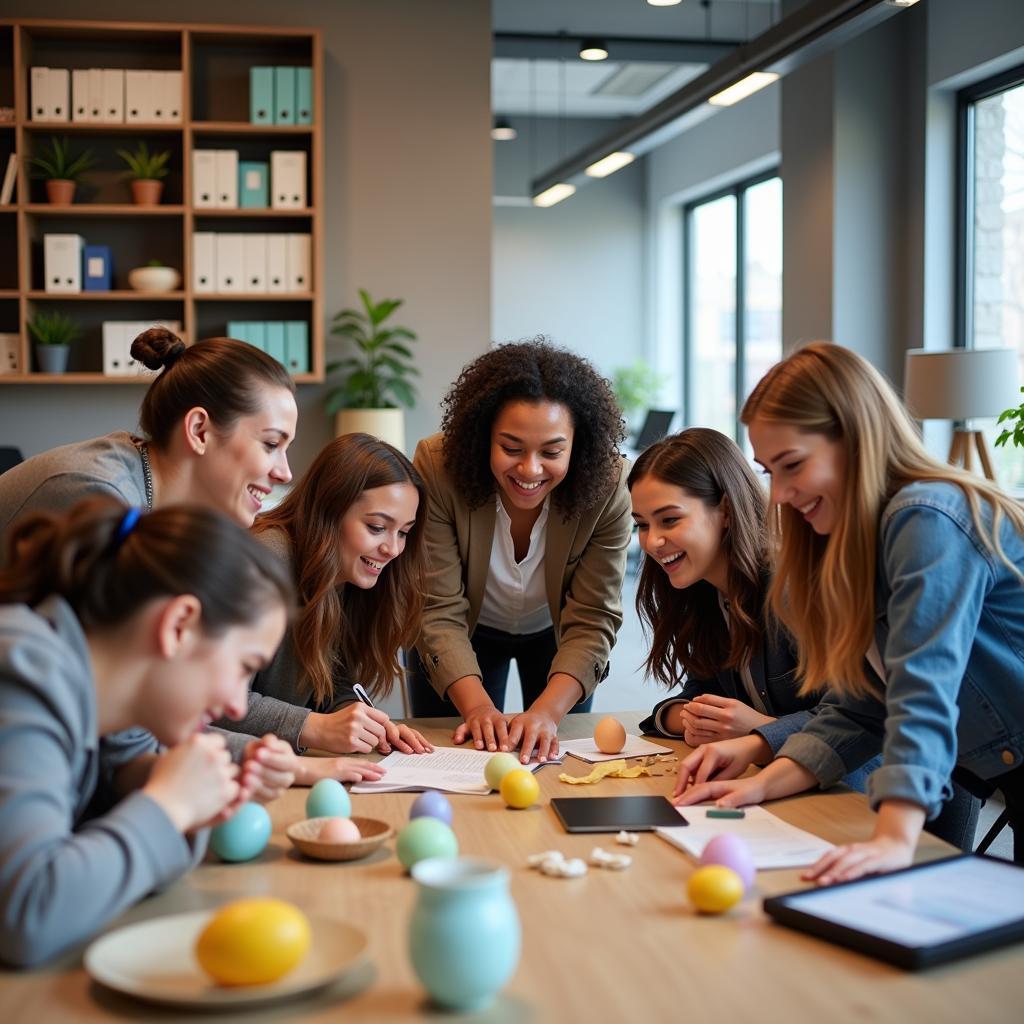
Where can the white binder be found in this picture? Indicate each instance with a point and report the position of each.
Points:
(116, 346)
(254, 263)
(288, 179)
(96, 99)
(204, 262)
(226, 178)
(138, 97)
(277, 264)
(299, 269)
(40, 81)
(59, 91)
(204, 178)
(62, 263)
(230, 263)
(112, 110)
(173, 96)
(81, 107)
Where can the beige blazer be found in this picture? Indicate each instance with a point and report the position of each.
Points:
(584, 565)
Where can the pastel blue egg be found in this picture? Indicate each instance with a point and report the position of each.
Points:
(328, 799)
(431, 804)
(244, 836)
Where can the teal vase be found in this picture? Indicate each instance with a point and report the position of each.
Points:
(464, 935)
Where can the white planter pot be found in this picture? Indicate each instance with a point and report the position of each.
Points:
(154, 279)
(387, 424)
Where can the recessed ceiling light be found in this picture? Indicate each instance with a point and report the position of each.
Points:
(593, 49)
(664, 3)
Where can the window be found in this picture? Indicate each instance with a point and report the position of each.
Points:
(733, 298)
(992, 193)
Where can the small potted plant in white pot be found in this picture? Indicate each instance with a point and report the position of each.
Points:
(60, 169)
(53, 333)
(376, 378)
(154, 277)
(146, 172)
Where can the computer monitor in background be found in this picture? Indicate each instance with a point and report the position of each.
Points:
(656, 425)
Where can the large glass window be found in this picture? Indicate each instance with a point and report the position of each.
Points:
(733, 299)
(993, 197)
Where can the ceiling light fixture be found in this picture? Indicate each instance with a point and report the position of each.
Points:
(901, 3)
(664, 3)
(610, 164)
(593, 49)
(502, 130)
(553, 195)
(743, 88)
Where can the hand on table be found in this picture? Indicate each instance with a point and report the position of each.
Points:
(844, 863)
(268, 768)
(534, 729)
(708, 718)
(726, 759)
(486, 726)
(311, 770)
(405, 739)
(731, 793)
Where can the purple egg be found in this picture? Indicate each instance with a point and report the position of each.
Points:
(731, 852)
(431, 804)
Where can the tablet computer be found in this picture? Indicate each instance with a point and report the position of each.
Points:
(616, 813)
(920, 916)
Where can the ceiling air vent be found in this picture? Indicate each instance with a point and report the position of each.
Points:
(633, 80)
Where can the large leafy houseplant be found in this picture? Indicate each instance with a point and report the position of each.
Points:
(377, 375)
(1016, 433)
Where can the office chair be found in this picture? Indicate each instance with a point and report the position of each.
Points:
(9, 458)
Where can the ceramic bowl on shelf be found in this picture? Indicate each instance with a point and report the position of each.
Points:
(154, 279)
(304, 836)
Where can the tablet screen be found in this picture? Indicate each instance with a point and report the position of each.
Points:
(614, 813)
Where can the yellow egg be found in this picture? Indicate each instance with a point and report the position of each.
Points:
(253, 942)
(714, 889)
(519, 788)
(609, 735)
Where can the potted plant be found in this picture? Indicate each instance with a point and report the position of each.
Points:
(636, 387)
(53, 334)
(154, 277)
(376, 377)
(1016, 434)
(146, 172)
(60, 169)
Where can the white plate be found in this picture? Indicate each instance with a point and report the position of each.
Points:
(154, 961)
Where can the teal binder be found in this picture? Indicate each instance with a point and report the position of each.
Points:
(253, 184)
(296, 346)
(303, 95)
(258, 335)
(261, 95)
(238, 329)
(275, 340)
(284, 95)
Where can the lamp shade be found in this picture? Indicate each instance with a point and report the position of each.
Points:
(961, 383)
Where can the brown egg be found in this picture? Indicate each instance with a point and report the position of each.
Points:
(609, 735)
(339, 830)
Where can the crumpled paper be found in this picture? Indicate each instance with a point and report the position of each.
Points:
(609, 769)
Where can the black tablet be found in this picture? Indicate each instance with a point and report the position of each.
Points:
(917, 917)
(616, 813)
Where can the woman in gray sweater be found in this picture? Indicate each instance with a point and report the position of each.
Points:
(350, 535)
(111, 619)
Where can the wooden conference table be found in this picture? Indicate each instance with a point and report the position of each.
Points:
(611, 946)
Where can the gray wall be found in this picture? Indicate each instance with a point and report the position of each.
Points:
(408, 185)
(574, 271)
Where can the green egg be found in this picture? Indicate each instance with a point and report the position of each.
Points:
(425, 837)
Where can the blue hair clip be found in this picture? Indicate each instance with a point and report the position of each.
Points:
(131, 517)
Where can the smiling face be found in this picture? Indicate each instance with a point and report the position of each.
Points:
(531, 445)
(808, 471)
(681, 533)
(209, 678)
(239, 469)
(374, 531)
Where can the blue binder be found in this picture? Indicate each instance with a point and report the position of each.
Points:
(261, 95)
(303, 95)
(296, 346)
(258, 334)
(275, 340)
(253, 184)
(96, 268)
(284, 95)
(238, 329)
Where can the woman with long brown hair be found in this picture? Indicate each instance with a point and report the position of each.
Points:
(350, 532)
(902, 580)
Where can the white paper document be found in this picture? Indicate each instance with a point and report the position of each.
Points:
(586, 749)
(773, 842)
(450, 769)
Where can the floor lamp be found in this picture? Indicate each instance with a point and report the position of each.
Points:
(962, 384)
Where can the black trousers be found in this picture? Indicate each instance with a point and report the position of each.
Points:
(495, 651)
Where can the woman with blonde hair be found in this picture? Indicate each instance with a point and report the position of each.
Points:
(890, 561)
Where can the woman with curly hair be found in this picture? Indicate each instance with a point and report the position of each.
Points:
(527, 530)
(350, 533)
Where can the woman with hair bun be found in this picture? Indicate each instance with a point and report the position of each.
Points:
(112, 619)
(216, 424)
(526, 532)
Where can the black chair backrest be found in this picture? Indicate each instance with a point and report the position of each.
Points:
(9, 458)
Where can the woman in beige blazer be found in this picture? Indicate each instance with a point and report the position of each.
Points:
(527, 526)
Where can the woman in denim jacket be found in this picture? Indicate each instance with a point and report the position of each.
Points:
(887, 552)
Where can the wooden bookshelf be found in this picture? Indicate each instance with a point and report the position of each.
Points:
(214, 61)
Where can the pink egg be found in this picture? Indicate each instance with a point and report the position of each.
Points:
(731, 852)
(339, 830)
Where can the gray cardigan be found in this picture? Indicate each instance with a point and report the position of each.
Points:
(279, 701)
(65, 873)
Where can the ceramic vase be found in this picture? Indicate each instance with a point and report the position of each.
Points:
(147, 191)
(52, 358)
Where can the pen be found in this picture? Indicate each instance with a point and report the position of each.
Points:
(362, 695)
